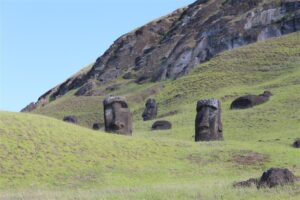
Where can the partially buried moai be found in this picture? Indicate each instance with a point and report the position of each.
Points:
(150, 111)
(117, 116)
(208, 123)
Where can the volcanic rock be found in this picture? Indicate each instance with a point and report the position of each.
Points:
(297, 143)
(275, 177)
(208, 122)
(113, 87)
(29, 107)
(117, 116)
(171, 46)
(97, 126)
(249, 101)
(89, 89)
(161, 125)
(271, 178)
(150, 111)
(70, 119)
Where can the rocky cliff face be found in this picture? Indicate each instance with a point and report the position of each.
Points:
(170, 47)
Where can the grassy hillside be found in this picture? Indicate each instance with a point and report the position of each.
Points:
(42, 157)
(272, 65)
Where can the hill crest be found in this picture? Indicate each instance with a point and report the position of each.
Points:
(171, 46)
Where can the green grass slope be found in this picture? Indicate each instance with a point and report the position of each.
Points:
(45, 158)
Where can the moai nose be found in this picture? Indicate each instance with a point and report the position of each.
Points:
(205, 118)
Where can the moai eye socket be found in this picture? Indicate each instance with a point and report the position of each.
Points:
(117, 116)
(122, 125)
(213, 108)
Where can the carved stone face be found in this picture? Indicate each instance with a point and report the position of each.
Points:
(208, 124)
(117, 116)
(150, 111)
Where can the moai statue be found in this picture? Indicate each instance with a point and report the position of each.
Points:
(150, 111)
(248, 101)
(117, 116)
(208, 123)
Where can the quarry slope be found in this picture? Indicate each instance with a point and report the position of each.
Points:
(169, 47)
(42, 156)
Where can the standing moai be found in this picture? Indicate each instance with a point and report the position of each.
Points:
(208, 123)
(150, 111)
(117, 116)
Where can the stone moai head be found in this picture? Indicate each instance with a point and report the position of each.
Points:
(150, 111)
(208, 123)
(117, 116)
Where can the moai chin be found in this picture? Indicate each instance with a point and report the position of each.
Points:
(208, 123)
(150, 111)
(117, 116)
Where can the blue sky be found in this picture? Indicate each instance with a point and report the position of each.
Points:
(43, 42)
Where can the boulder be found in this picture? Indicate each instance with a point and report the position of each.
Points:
(97, 126)
(271, 178)
(70, 119)
(150, 111)
(251, 100)
(275, 177)
(208, 122)
(297, 143)
(117, 116)
(161, 125)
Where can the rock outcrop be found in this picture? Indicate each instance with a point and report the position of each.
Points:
(296, 144)
(89, 89)
(171, 46)
(30, 107)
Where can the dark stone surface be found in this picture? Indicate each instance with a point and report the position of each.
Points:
(97, 126)
(150, 111)
(161, 125)
(89, 89)
(251, 100)
(29, 108)
(128, 76)
(117, 116)
(296, 144)
(271, 178)
(70, 119)
(275, 177)
(141, 79)
(252, 182)
(208, 123)
(113, 88)
(173, 45)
